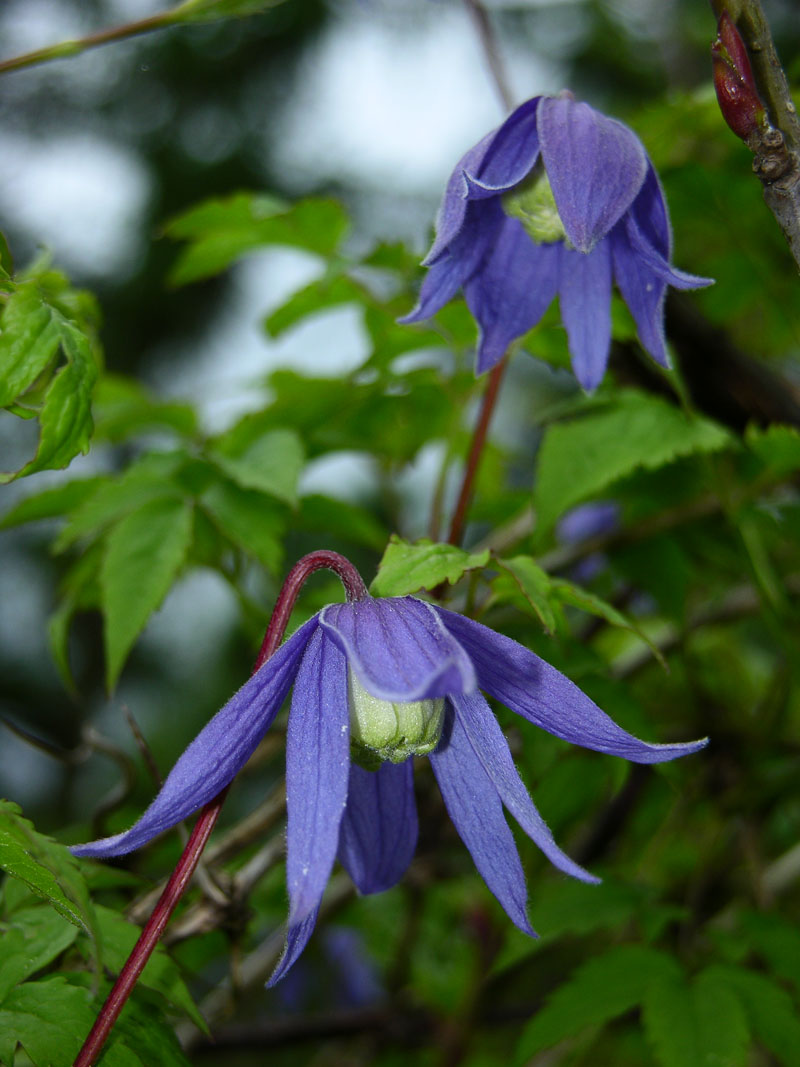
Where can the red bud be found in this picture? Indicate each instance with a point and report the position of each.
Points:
(738, 97)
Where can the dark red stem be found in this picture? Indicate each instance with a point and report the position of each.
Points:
(181, 876)
(476, 449)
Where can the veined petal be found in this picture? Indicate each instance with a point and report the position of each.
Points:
(317, 772)
(446, 276)
(544, 696)
(218, 752)
(510, 156)
(452, 209)
(511, 292)
(596, 166)
(490, 745)
(585, 298)
(379, 829)
(296, 940)
(649, 210)
(656, 263)
(474, 806)
(643, 292)
(399, 648)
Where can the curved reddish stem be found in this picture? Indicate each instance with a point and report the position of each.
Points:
(190, 857)
(475, 452)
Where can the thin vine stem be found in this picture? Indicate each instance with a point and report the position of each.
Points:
(355, 589)
(66, 49)
(475, 452)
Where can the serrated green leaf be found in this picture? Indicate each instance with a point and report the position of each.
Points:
(269, 461)
(123, 408)
(407, 568)
(144, 553)
(32, 938)
(161, 973)
(522, 579)
(579, 597)
(777, 941)
(602, 989)
(50, 1019)
(702, 1023)
(151, 477)
(208, 10)
(339, 518)
(325, 292)
(52, 503)
(223, 230)
(29, 339)
(252, 521)
(773, 1016)
(45, 866)
(582, 457)
(66, 415)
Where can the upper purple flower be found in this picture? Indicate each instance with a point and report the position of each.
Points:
(558, 200)
(389, 678)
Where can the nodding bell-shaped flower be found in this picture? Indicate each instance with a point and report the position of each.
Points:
(558, 201)
(377, 681)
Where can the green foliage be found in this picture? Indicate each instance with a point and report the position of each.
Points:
(221, 231)
(408, 568)
(46, 867)
(581, 458)
(49, 1019)
(48, 366)
(144, 553)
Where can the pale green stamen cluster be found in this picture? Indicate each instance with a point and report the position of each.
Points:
(384, 730)
(533, 203)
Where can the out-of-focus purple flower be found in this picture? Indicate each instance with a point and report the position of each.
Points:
(387, 679)
(559, 200)
(588, 520)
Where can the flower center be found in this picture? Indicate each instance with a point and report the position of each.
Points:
(533, 203)
(384, 730)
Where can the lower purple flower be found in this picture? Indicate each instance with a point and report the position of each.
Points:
(386, 679)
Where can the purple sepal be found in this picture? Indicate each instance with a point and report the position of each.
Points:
(218, 752)
(399, 648)
(474, 806)
(544, 696)
(378, 834)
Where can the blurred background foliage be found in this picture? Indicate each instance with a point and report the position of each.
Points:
(247, 200)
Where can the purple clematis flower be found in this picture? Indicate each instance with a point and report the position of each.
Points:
(385, 679)
(559, 200)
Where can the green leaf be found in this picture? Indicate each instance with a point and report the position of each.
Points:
(269, 461)
(602, 989)
(207, 10)
(123, 408)
(254, 522)
(582, 457)
(772, 1014)
(52, 503)
(777, 446)
(339, 518)
(151, 477)
(702, 1023)
(587, 601)
(144, 553)
(6, 261)
(66, 415)
(407, 568)
(523, 580)
(29, 340)
(325, 292)
(32, 938)
(50, 1019)
(777, 941)
(161, 973)
(45, 866)
(223, 230)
